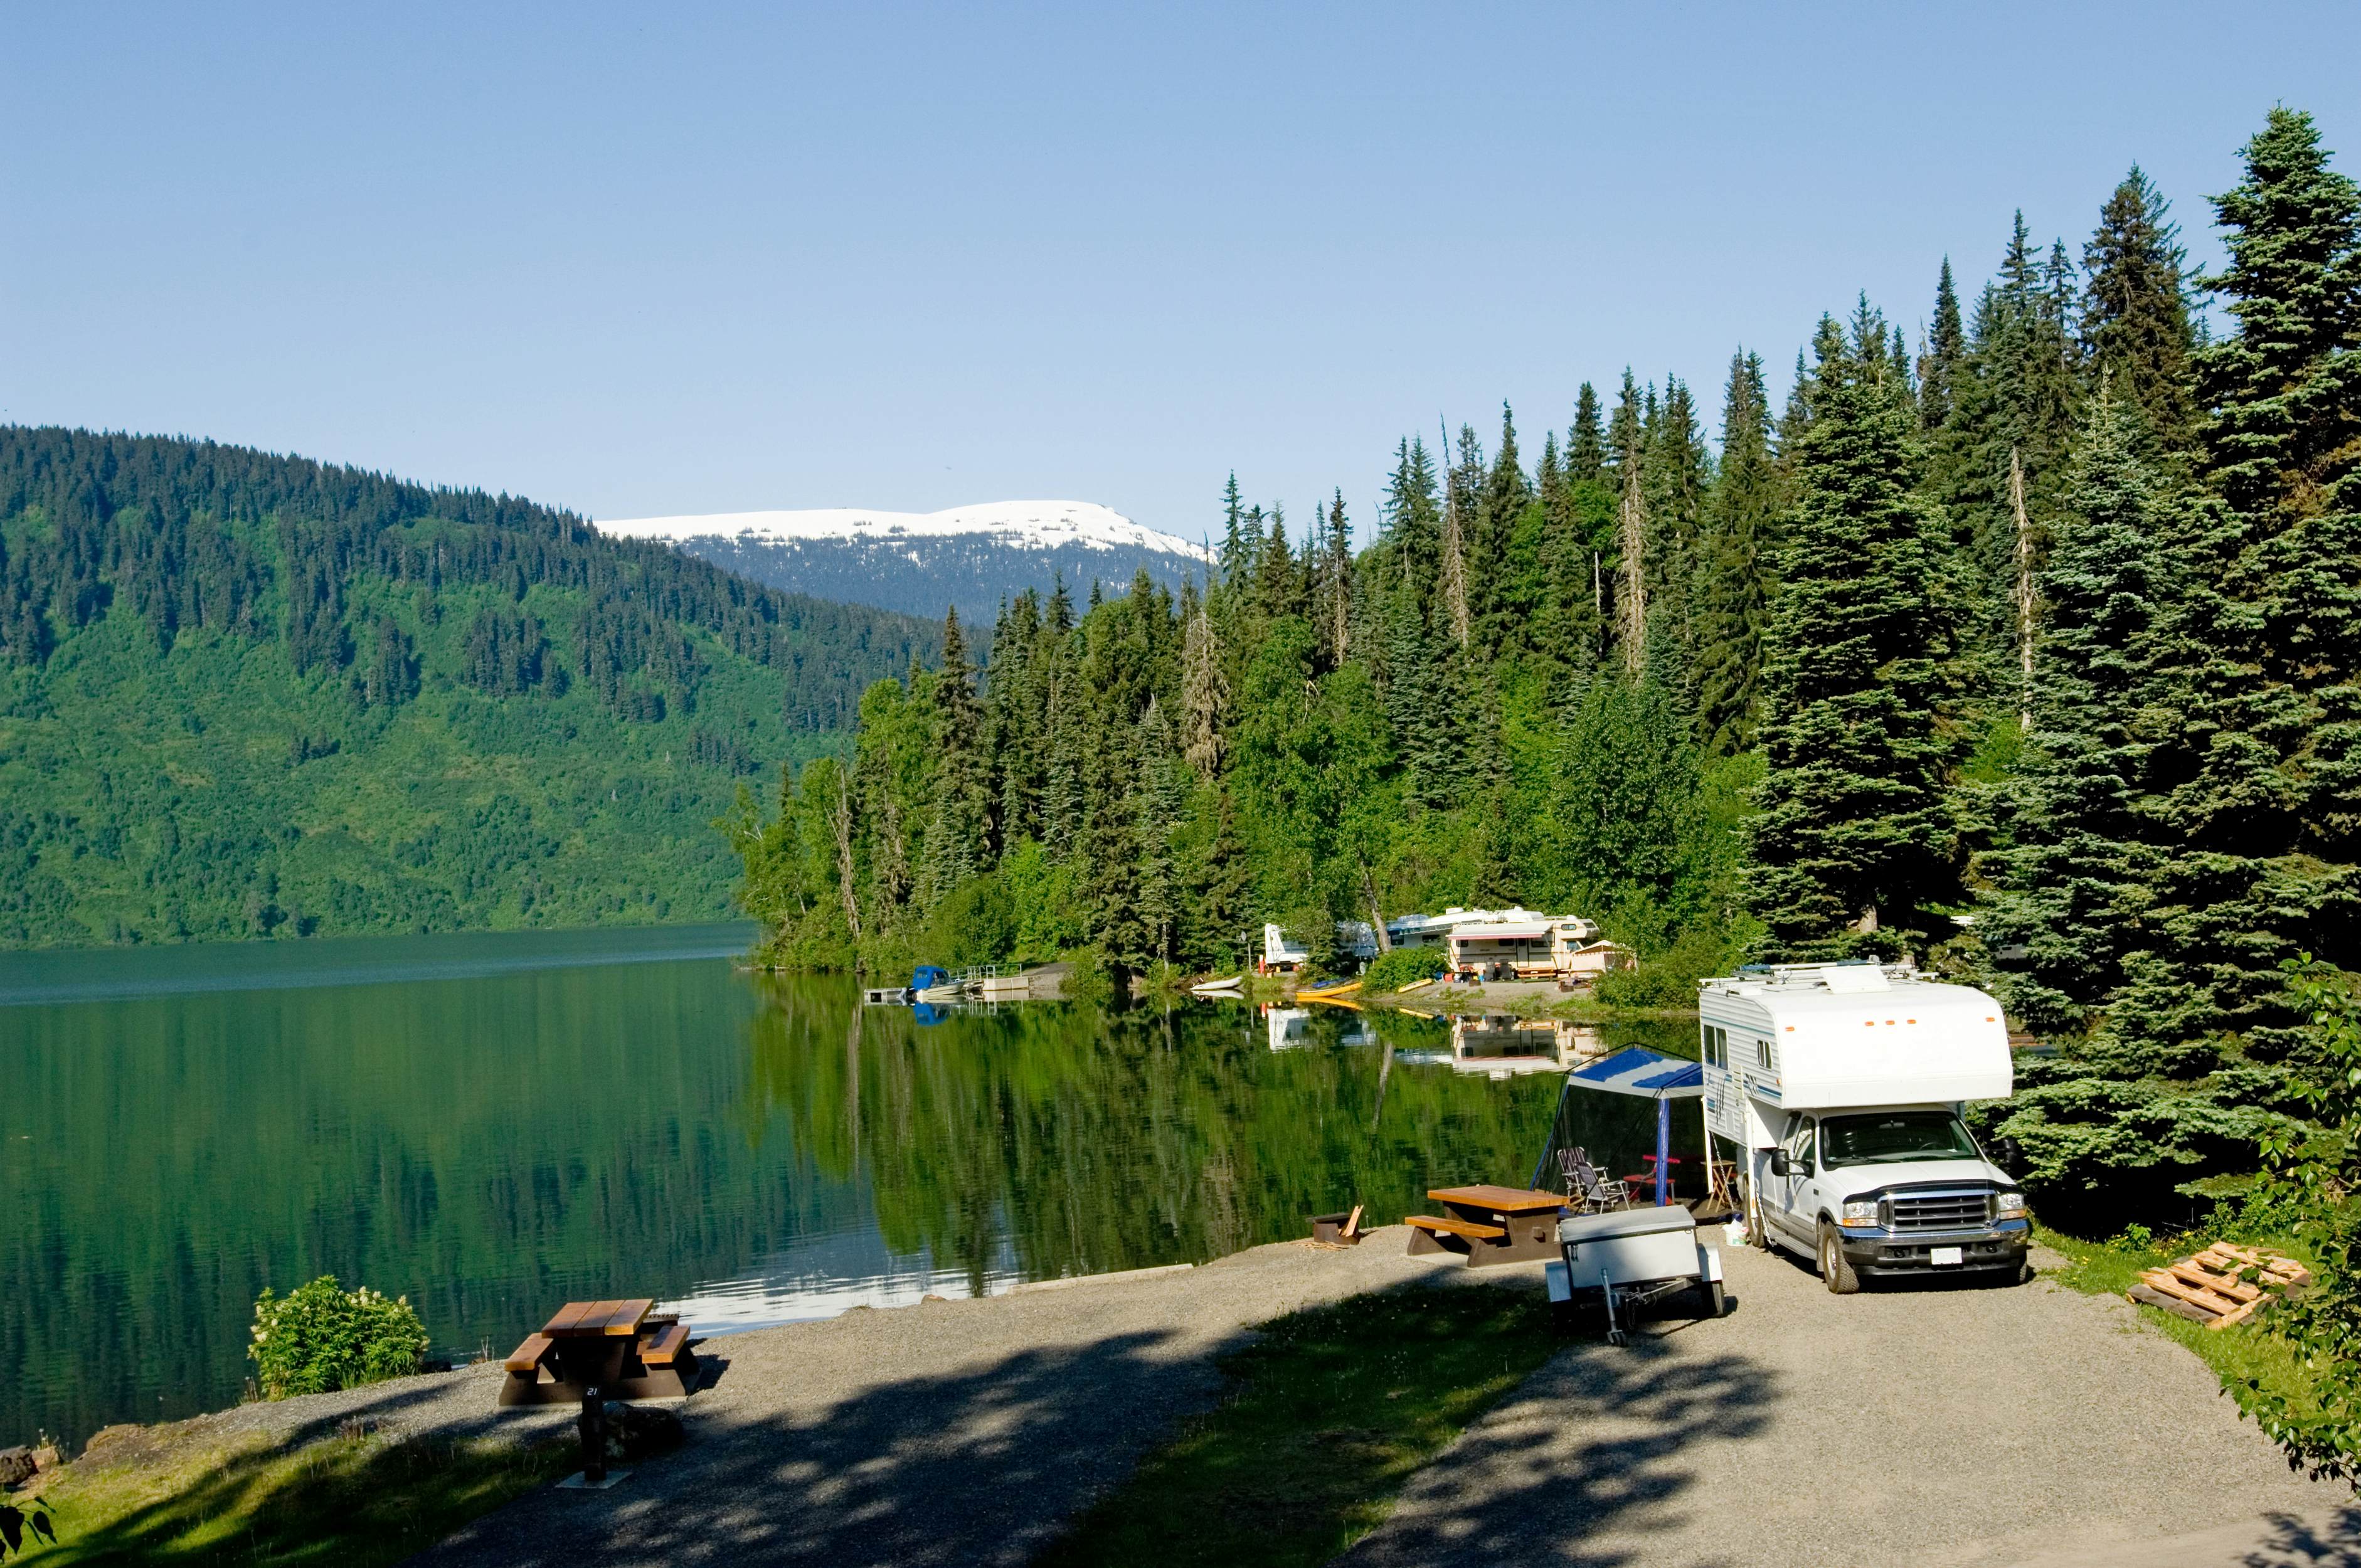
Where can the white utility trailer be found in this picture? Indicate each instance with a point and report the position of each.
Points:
(1631, 1258)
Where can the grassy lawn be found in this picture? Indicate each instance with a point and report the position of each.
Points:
(352, 1500)
(1328, 1413)
(2248, 1351)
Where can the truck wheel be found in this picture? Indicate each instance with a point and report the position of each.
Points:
(1842, 1280)
(1756, 1236)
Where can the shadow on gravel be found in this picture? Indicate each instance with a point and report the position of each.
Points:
(976, 1468)
(2298, 1543)
(1601, 1433)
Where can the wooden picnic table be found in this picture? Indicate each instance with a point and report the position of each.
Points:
(1491, 1224)
(598, 1350)
(599, 1320)
(1496, 1200)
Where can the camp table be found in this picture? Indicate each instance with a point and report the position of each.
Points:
(1491, 1224)
(589, 1340)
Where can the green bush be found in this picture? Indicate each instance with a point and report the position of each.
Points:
(1391, 972)
(317, 1337)
(1668, 979)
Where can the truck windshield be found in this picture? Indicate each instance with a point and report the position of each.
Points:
(1890, 1137)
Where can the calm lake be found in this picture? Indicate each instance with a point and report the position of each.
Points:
(492, 1124)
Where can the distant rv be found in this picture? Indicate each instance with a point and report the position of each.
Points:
(1478, 944)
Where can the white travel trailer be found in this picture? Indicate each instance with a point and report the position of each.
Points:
(1841, 1086)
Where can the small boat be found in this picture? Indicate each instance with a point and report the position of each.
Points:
(1322, 993)
(932, 982)
(1218, 987)
(1416, 985)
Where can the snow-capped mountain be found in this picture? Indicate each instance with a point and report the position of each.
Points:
(973, 556)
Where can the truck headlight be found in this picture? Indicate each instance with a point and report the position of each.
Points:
(1860, 1214)
(2009, 1206)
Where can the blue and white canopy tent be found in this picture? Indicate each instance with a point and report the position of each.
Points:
(1636, 1070)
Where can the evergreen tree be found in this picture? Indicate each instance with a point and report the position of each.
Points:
(2271, 814)
(1236, 555)
(1586, 443)
(1673, 475)
(955, 847)
(1462, 490)
(1335, 597)
(1413, 512)
(1741, 533)
(2000, 458)
(1206, 695)
(1157, 799)
(1506, 493)
(2084, 949)
(1217, 912)
(2074, 891)
(1851, 849)
(1946, 353)
(1279, 588)
(1631, 580)
(2136, 325)
(1626, 802)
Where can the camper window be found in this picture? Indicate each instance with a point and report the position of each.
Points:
(1762, 1053)
(1891, 1138)
(1717, 1047)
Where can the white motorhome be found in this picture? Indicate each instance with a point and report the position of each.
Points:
(1840, 1086)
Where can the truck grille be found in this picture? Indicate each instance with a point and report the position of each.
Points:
(1939, 1211)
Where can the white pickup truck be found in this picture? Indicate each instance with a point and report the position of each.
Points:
(1840, 1086)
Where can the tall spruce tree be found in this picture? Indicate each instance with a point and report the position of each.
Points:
(2125, 1110)
(2073, 893)
(2136, 325)
(2271, 815)
(1674, 476)
(1334, 607)
(1741, 533)
(1998, 460)
(1945, 356)
(1851, 849)
(955, 845)
(1586, 443)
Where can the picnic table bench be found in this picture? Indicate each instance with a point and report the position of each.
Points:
(624, 1348)
(1489, 1225)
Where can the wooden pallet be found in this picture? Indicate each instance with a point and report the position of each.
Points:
(2220, 1286)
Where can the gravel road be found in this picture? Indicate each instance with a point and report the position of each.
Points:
(2025, 1427)
(1948, 1427)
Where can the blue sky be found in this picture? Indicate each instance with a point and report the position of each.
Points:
(640, 259)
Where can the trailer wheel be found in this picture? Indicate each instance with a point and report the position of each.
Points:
(1716, 1304)
(1834, 1269)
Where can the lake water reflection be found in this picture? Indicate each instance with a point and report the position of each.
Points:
(492, 1124)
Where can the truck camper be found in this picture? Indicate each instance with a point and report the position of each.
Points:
(1840, 1085)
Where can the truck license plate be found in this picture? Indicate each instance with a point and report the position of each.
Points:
(1939, 1255)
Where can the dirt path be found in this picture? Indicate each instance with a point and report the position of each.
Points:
(1946, 1427)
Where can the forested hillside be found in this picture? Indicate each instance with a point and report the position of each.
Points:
(2029, 650)
(243, 694)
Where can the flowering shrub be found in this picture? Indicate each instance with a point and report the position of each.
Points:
(318, 1337)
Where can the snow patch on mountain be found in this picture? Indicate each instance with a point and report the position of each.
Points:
(1027, 525)
(975, 557)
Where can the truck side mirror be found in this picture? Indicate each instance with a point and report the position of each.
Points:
(1780, 1164)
